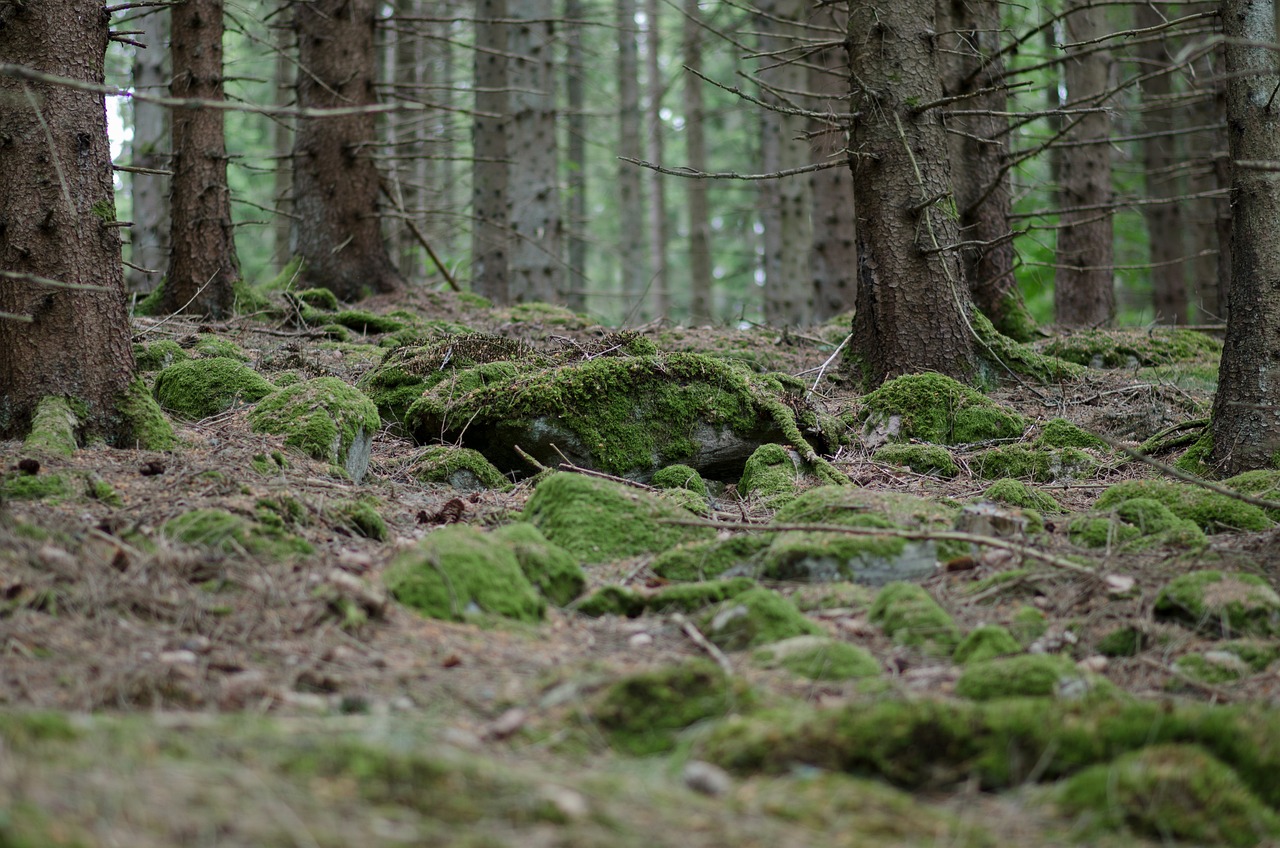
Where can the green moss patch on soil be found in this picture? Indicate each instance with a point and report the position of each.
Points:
(53, 428)
(1136, 524)
(148, 428)
(551, 569)
(753, 618)
(1015, 493)
(1041, 465)
(1061, 433)
(1213, 512)
(642, 714)
(1044, 675)
(1132, 347)
(225, 532)
(326, 419)
(199, 388)
(158, 355)
(986, 643)
(932, 460)
(1221, 604)
(772, 475)
(818, 658)
(938, 409)
(706, 560)
(911, 617)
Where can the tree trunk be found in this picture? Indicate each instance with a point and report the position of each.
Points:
(282, 132)
(1246, 409)
(1209, 227)
(202, 262)
(1084, 295)
(658, 231)
(833, 262)
(57, 222)
(576, 148)
(335, 180)
(537, 230)
(1161, 168)
(489, 233)
(149, 148)
(695, 153)
(631, 253)
(970, 51)
(913, 302)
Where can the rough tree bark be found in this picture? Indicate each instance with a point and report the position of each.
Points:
(1246, 408)
(833, 263)
(913, 302)
(203, 268)
(576, 150)
(631, 252)
(149, 148)
(489, 234)
(282, 130)
(695, 153)
(57, 216)
(659, 233)
(1084, 295)
(1209, 225)
(335, 181)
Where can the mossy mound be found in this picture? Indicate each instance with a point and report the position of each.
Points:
(1130, 348)
(938, 409)
(149, 429)
(1263, 484)
(986, 643)
(910, 616)
(199, 388)
(457, 572)
(818, 658)
(1168, 792)
(1128, 641)
(1136, 524)
(1213, 512)
(1221, 604)
(682, 486)
(1041, 465)
(224, 532)
(1212, 667)
(318, 299)
(705, 560)
(21, 486)
(53, 428)
(361, 517)
(773, 475)
(461, 468)
(847, 505)
(1061, 433)
(837, 557)
(755, 617)
(210, 346)
(933, 460)
(550, 568)
(1028, 675)
(599, 520)
(1028, 624)
(1015, 493)
(158, 354)
(1003, 347)
(684, 598)
(642, 714)
(324, 418)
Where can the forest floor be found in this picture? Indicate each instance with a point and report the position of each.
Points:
(158, 695)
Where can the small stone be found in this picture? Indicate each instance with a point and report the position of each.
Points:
(707, 779)
(1119, 585)
(1095, 664)
(239, 690)
(640, 640)
(568, 803)
(178, 657)
(507, 724)
(197, 644)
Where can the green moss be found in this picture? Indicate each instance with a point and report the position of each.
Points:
(1018, 494)
(1213, 512)
(471, 300)
(772, 475)
(598, 520)
(461, 468)
(1028, 675)
(1166, 793)
(199, 388)
(361, 516)
(1195, 459)
(642, 714)
(1137, 524)
(1061, 433)
(907, 614)
(324, 418)
(1221, 604)
(159, 354)
(210, 346)
(105, 210)
(1003, 347)
(755, 617)
(612, 600)
(550, 568)
(1263, 483)
(20, 486)
(692, 597)
(846, 505)
(826, 557)
(248, 300)
(363, 322)
(1042, 465)
(269, 464)
(938, 409)
(985, 643)
(1212, 669)
(149, 429)
(1258, 654)
(1127, 641)
(53, 428)
(1028, 624)
(457, 571)
(152, 303)
(680, 477)
(319, 299)
(546, 314)
(933, 460)
(818, 658)
(224, 532)
(1129, 348)
(705, 560)
(102, 491)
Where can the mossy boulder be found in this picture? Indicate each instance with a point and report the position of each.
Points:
(932, 460)
(1131, 348)
(149, 429)
(361, 517)
(462, 468)
(910, 616)
(938, 409)
(755, 617)
(1061, 433)
(199, 388)
(683, 598)
(772, 475)
(324, 418)
(158, 354)
(1136, 524)
(705, 560)
(1221, 604)
(53, 428)
(550, 568)
(818, 658)
(986, 643)
(598, 520)
(1018, 494)
(1027, 675)
(1126, 641)
(457, 572)
(1213, 512)
(682, 486)
(225, 532)
(210, 346)
(1212, 667)
(1263, 484)
(1166, 793)
(642, 714)
(1041, 465)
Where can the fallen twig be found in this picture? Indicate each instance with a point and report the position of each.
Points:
(696, 637)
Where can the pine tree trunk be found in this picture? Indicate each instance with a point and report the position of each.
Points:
(489, 234)
(1084, 294)
(631, 252)
(576, 149)
(913, 301)
(1209, 224)
(203, 267)
(658, 234)
(701, 304)
(335, 180)
(282, 132)
(149, 148)
(1246, 409)
(833, 262)
(57, 222)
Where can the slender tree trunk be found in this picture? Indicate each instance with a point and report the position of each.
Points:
(203, 267)
(1209, 228)
(537, 260)
(785, 203)
(149, 148)
(913, 301)
(1246, 409)
(1160, 162)
(659, 235)
(490, 255)
(700, 292)
(1084, 294)
(335, 181)
(631, 258)
(834, 259)
(970, 51)
(57, 222)
(406, 72)
(282, 131)
(576, 148)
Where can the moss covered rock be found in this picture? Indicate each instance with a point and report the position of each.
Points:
(1061, 433)
(1213, 512)
(1027, 675)
(753, 618)
(22, 486)
(705, 560)
(1136, 524)
(550, 568)
(228, 533)
(818, 658)
(933, 460)
(1041, 465)
(1221, 604)
(772, 475)
(53, 428)
(684, 598)
(986, 643)
(158, 354)
(938, 409)
(599, 520)
(461, 468)
(1018, 494)
(642, 714)
(324, 418)
(910, 616)
(360, 516)
(1130, 348)
(1263, 483)
(210, 346)
(199, 388)
(457, 572)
